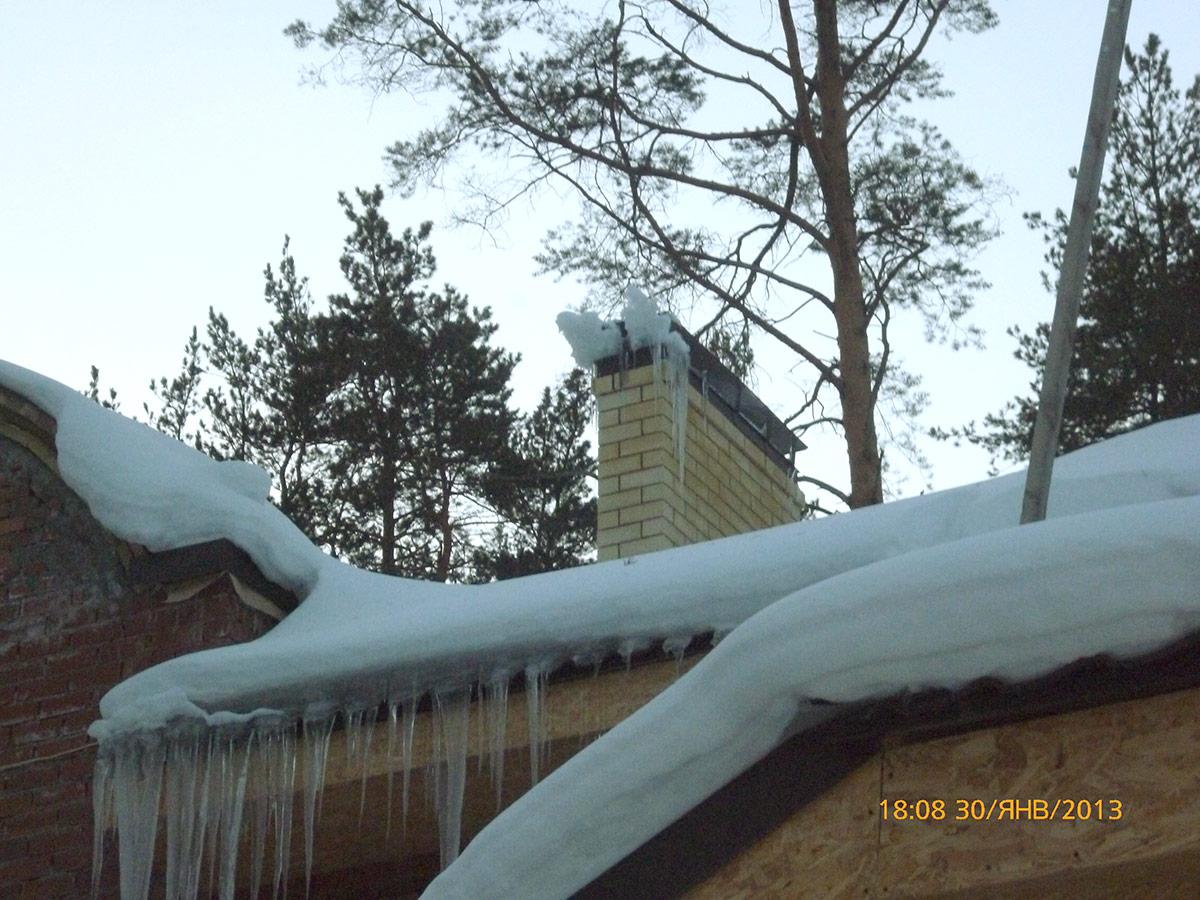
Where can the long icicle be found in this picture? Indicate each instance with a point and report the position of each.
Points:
(232, 807)
(535, 706)
(259, 748)
(218, 773)
(137, 786)
(408, 727)
(186, 813)
(102, 811)
(283, 786)
(392, 735)
(496, 707)
(318, 728)
(453, 710)
(364, 759)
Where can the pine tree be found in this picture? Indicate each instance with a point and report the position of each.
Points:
(1137, 350)
(714, 151)
(379, 419)
(418, 403)
(267, 404)
(179, 400)
(541, 489)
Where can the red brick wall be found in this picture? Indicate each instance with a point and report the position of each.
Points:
(70, 628)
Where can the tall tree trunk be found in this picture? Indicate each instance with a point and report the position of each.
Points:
(447, 535)
(854, 351)
(388, 503)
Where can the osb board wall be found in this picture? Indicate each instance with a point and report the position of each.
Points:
(1141, 753)
(728, 485)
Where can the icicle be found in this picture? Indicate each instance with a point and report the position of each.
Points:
(186, 802)
(676, 647)
(679, 384)
(260, 748)
(433, 765)
(137, 785)
(218, 773)
(353, 719)
(495, 697)
(281, 781)
(102, 810)
(392, 730)
(360, 727)
(481, 736)
(535, 705)
(233, 799)
(630, 646)
(407, 728)
(318, 727)
(452, 711)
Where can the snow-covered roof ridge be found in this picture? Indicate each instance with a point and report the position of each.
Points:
(930, 591)
(150, 489)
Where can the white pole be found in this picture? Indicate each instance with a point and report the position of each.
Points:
(1074, 264)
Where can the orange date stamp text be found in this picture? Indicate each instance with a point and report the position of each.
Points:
(1003, 809)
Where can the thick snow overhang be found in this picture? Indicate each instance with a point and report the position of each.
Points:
(1013, 604)
(356, 631)
(28, 419)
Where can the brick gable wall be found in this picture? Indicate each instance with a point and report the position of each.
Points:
(72, 626)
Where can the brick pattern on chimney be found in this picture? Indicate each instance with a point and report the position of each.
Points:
(729, 486)
(71, 627)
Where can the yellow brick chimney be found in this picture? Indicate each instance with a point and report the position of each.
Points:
(738, 472)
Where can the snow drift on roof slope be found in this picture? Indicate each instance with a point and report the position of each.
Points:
(359, 635)
(153, 490)
(1013, 603)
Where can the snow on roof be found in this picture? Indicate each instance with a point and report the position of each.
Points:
(1013, 603)
(358, 635)
(150, 489)
(930, 591)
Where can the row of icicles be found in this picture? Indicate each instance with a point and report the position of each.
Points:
(213, 784)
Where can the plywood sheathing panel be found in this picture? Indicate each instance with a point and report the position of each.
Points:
(1141, 752)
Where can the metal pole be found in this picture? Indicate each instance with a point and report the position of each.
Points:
(1074, 264)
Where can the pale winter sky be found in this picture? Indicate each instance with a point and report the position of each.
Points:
(154, 154)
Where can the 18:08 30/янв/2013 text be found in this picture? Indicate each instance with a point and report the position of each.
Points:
(1001, 809)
